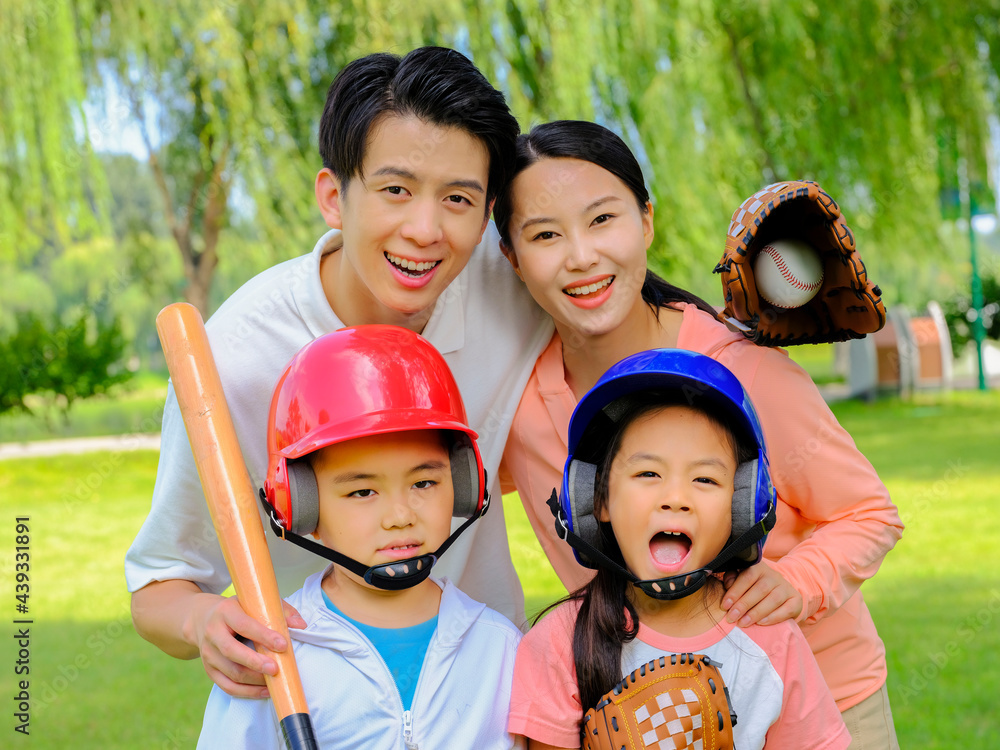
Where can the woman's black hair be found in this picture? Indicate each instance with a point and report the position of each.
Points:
(607, 618)
(588, 141)
(435, 84)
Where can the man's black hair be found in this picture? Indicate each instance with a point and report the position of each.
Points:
(435, 84)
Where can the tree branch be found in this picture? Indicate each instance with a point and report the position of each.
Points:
(215, 210)
(182, 235)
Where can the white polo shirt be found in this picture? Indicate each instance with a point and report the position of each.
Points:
(485, 324)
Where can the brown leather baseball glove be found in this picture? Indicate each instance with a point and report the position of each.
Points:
(848, 305)
(677, 701)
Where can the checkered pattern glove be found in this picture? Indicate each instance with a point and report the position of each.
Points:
(848, 305)
(674, 702)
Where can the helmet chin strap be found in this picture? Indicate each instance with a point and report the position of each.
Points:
(667, 588)
(394, 576)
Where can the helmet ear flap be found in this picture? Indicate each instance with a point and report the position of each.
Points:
(465, 475)
(303, 493)
(746, 487)
(581, 485)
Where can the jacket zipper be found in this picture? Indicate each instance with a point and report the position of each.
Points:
(407, 713)
(408, 730)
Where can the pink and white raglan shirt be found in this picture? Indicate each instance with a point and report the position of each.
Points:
(777, 691)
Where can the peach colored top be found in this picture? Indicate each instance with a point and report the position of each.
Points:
(835, 519)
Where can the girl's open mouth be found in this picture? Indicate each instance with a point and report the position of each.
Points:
(669, 549)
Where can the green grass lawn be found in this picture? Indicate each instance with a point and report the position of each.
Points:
(818, 361)
(94, 682)
(936, 601)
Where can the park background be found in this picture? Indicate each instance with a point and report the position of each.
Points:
(152, 153)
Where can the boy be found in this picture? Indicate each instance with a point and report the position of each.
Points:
(376, 468)
(414, 151)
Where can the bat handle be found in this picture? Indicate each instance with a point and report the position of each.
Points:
(297, 730)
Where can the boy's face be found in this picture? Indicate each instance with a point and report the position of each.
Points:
(410, 222)
(385, 497)
(670, 492)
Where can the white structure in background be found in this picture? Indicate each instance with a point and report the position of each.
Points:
(908, 353)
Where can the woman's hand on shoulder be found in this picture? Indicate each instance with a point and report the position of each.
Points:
(231, 664)
(760, 594)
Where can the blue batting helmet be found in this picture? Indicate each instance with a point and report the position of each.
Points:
(697, 379)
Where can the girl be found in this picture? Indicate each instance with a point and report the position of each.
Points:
(665, 486)
(575, 224)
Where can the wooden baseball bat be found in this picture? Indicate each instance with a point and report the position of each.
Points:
(232, 502)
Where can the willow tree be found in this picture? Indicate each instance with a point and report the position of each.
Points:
(49, 180)
(217, 92)
(882, 102)
(878, 101)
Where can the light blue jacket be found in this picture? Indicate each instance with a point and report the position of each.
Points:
(462, 696)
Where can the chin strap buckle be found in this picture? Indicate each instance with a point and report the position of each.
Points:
(562, 527)
(388, 576)
(271, 513)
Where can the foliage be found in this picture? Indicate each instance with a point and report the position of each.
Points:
(885, 103)
(129, 279)
(956, 310)
(63, 361)
(50, 182)
(131, 408)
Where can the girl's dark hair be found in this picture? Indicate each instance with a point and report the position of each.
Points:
(607, 618)
(588, 141)
(435, 84)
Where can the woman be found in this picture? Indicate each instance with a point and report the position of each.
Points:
(575, 224)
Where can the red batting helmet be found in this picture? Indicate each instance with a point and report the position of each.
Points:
(355, 382)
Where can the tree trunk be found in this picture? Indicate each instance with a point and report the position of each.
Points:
(197, 292)
(199, 267)
(203, 264)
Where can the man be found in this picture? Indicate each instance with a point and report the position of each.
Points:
(414, 151)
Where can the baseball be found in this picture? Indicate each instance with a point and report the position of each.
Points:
(788, 273)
